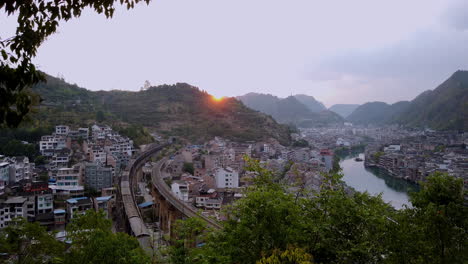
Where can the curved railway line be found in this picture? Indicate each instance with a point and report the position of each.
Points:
(133, 214)
(181, 206)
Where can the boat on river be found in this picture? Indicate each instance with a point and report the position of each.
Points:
(358, 159)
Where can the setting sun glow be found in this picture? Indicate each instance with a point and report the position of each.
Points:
(217, 99)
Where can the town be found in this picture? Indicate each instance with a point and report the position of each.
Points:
(84, 166)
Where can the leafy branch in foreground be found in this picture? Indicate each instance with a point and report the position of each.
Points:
(37, 20)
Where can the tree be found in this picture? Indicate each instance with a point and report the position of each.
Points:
(334, 225)
(40, 160)
(188, 167)
(442, 219)
(26, 242)
(36, 21)
(100, 116)
(289, 256)
(146, 86)
(183, 247)
(300, 143)
(94, 242)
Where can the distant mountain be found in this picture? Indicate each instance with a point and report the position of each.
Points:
(377, 113)
(265, 103)
(444, 108)
(179, 110)
(310, 102)
(344, 110)
(290, 110)
(322, 118)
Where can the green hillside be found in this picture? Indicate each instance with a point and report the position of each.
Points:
(377, 113)
(310, 102)
(444, 108)
(179, 110)
(290, 110)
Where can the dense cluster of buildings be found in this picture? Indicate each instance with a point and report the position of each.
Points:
(85, 160)
(218, 171)
(416, 157)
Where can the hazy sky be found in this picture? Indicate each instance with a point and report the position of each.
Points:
(338, 51)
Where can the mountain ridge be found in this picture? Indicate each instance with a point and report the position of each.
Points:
(290, 110)
(180, 110)
(344, 110)
(443, 108)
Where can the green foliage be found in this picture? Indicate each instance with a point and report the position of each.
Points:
(183, 247)
(40, 160)
(300, 143)
(188, 167)
(36, 21)
(336, 164)
(174, 110)
(94, 242)
(444, 108)
(289, 256)
(17, 148)
(100, 116)
(11, 141)
(137, 133)
(270, 225)
(376, 156)
(26, 242)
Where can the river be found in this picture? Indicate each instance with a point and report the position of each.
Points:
(374, 181)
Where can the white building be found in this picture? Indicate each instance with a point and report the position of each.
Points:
(181, 190)
(4, 176)
(45, 203)
(226, 178)
(392, 148)
(62, 130)
(54, 142)
(20, 169)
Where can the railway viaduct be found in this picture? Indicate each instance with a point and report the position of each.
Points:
(167, 207)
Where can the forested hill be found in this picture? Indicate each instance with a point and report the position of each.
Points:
(180, 110)
(311, 103)
(445, 107)
(291, 110)
(378, 113)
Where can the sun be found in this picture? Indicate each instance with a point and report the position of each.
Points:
(217, 99)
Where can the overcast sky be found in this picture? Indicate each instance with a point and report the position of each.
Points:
(338, 51)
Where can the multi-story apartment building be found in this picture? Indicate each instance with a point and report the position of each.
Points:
(54, 142)
(97, 176)
(62, 130)
(11, 208)
(226, 178)
(69, 177)
(20, 169)
(4, 176)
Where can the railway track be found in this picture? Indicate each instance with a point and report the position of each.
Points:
(133, 214)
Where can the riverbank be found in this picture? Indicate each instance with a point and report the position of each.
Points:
(375, 182)
(371, 163)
